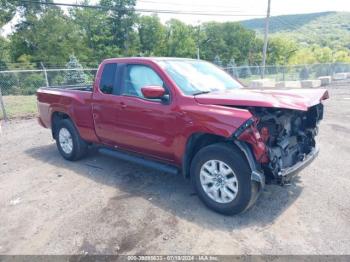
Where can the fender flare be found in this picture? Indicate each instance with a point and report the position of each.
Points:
(256, 174)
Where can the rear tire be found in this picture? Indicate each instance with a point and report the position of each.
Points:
(68, 141)
(222, 178)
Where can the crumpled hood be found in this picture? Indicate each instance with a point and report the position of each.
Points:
(298, 99)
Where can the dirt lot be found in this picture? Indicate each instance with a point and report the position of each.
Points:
(102, 205)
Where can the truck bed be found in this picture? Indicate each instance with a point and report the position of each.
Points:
(74, 101)
(87, 88)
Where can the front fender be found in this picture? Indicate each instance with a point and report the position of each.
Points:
(217, 120)
(208, 119)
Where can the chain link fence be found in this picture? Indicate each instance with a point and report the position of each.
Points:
(19, 86)
(26, 82)
(288, 72)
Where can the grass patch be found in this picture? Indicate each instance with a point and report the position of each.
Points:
(19, 106)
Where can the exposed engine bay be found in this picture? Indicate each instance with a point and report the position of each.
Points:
(289, 136)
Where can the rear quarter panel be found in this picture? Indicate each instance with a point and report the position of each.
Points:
(76, 104)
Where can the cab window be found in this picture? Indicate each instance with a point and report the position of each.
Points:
(108, 78)
(138, 76)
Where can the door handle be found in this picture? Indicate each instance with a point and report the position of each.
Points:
(123, 105)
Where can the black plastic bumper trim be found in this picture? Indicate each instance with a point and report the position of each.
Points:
(290, 171)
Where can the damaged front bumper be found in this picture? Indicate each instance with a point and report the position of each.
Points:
(287, 173)
(284, 175)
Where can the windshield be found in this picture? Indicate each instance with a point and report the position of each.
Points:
(196, 77)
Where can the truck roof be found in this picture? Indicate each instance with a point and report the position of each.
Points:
(155, 59)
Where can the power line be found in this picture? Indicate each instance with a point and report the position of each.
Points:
(142, 10)
(179, 4)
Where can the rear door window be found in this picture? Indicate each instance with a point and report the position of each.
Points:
(108, 83)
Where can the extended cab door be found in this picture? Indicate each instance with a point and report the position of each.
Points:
(106, 103)
(144, 125)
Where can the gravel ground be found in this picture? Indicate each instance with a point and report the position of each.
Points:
(104, 206)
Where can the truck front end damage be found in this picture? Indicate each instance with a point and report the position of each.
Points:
(282, 140)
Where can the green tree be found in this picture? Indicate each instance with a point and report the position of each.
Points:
(75, 75)
(303, 56)
(217, 61)
(230, 40)
(151, 33)
(31, 11)
(280, 50)
(51, 38)
(121, 19)
(96, 33)
(342, 56)
(46, 33)
(31, 83)
(180, 40)
(7, 11)
(317, 54)
(6, 80)
(322, 54)
(215, 43)
(4, 50)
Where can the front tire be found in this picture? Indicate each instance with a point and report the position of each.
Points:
(68, 141)
(222, 178)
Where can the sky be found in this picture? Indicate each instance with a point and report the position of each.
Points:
(256, 8)
(240, 9)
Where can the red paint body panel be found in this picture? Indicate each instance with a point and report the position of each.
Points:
(76, 104)
(298, 99)
(155, 129)
(153, 91)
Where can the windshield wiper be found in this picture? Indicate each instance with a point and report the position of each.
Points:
(201, 93)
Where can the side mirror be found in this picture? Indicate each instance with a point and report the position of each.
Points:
(153, 92)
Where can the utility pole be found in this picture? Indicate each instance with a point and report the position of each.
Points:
(45, 74)
(2, 106)
(266, 38)
(198, 40)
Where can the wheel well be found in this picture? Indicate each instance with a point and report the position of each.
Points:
(194, 144)
(56, 117)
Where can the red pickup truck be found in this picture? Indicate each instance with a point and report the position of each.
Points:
(190, 117)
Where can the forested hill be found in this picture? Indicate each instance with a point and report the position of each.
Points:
(326, 29)
(284, 22)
